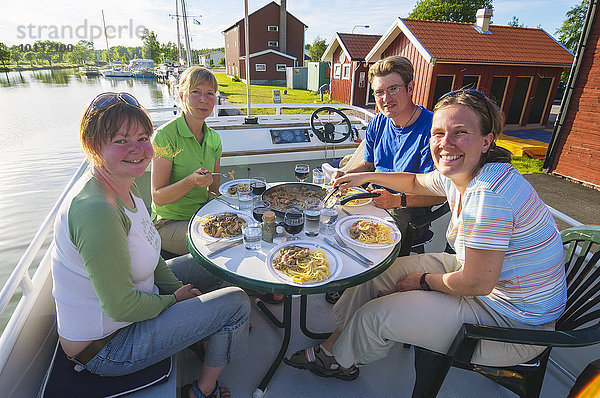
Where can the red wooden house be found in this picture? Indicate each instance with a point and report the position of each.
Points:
(276, 42)
(574, 149)
(518, 67)
(349, 73)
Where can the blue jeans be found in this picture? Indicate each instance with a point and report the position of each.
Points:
(220, 317)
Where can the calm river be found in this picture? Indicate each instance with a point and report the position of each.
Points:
(39, 144)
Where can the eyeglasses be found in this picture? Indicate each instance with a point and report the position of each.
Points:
(106, 100)
(475, 93)
(389, 91)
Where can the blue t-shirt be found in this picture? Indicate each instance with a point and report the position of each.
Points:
(391, 148)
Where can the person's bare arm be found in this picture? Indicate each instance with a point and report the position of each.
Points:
(164, 193)
(402, 182)
(478, 277)
(389, 200)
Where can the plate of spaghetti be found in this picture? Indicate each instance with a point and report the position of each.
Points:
(223, 226)
(349, 192)
(368, 231)
(303, 263)
(229, 188)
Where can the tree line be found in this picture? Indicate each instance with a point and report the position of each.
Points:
(49, 52)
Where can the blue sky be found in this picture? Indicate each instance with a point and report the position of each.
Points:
(25, 21)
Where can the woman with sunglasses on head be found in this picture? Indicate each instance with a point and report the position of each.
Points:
(508, 269)
(120, 308)
(187, 152)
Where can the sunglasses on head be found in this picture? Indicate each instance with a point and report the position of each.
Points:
(105, 100)
(475, 93)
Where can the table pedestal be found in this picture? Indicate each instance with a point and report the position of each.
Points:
(286, 325)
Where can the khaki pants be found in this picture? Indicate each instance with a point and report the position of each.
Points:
(372, 317)
(173, 234)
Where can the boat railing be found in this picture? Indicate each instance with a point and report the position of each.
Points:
(20, 277)
(367, 115)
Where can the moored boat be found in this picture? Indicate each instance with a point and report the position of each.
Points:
(142, 67)
(89, 70)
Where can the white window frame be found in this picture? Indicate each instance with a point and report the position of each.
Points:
(260, 67)
(337, 71)
(281, 67)
(346, 71)
(272, 43)
(272, 28)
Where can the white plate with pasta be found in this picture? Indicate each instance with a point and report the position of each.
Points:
(349, 192)
(228, 188)
(323, 266)
(230, 224)
(368, 231)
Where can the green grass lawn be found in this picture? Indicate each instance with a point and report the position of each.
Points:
(527, 165)
(236, 94)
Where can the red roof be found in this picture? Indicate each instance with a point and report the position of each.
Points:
(458, 41)
(357, 45)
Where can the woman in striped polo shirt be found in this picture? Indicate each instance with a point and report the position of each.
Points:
(508, 269)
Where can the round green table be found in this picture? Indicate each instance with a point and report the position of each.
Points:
(248, 269)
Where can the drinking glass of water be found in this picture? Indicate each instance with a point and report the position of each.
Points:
(244, 194)
(251, 234)
(293, 222)
(301, 171)
(329, 216)
(312, 212)
(318, 177)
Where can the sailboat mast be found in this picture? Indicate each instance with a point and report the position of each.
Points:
(106, 38)
(179, 60)
(186, 34)
(247, 44)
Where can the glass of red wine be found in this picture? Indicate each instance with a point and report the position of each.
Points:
(293, 223)
(301, 171)
(259, 209)
(258, 185)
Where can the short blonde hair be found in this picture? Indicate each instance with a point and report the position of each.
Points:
(192, 77)
(395, 63)
(98, 127)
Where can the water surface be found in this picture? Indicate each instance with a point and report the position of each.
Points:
(39, 144)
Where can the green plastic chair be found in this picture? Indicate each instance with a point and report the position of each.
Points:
(578, 326)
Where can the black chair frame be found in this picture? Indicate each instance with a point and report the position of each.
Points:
(578, 326)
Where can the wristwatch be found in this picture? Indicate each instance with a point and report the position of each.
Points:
(402, 200)
(423, 282)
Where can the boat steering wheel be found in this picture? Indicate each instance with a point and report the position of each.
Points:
(326, 132)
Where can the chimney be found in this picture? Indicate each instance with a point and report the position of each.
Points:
(483, 20)
(283, 27)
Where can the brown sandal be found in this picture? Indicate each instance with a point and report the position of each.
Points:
(321, 364)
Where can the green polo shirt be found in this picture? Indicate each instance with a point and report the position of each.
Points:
(175, 142)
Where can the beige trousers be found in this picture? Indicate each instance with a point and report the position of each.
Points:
(173, 234)
(372, 317)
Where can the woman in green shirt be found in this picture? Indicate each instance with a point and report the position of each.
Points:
(187, 151)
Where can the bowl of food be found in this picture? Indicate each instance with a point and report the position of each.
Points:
(368, 232)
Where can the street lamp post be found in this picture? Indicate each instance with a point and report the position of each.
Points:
(360, 26)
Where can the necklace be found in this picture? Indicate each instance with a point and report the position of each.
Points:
(401, 128)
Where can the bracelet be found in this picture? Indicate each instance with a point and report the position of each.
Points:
(424, 285)
(402, 200)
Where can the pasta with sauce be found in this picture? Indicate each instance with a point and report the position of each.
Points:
(302, 264)
(371, 233)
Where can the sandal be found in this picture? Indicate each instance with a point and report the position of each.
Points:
(333, 297)
(269, 298)
(321, 364)
(216, 393)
